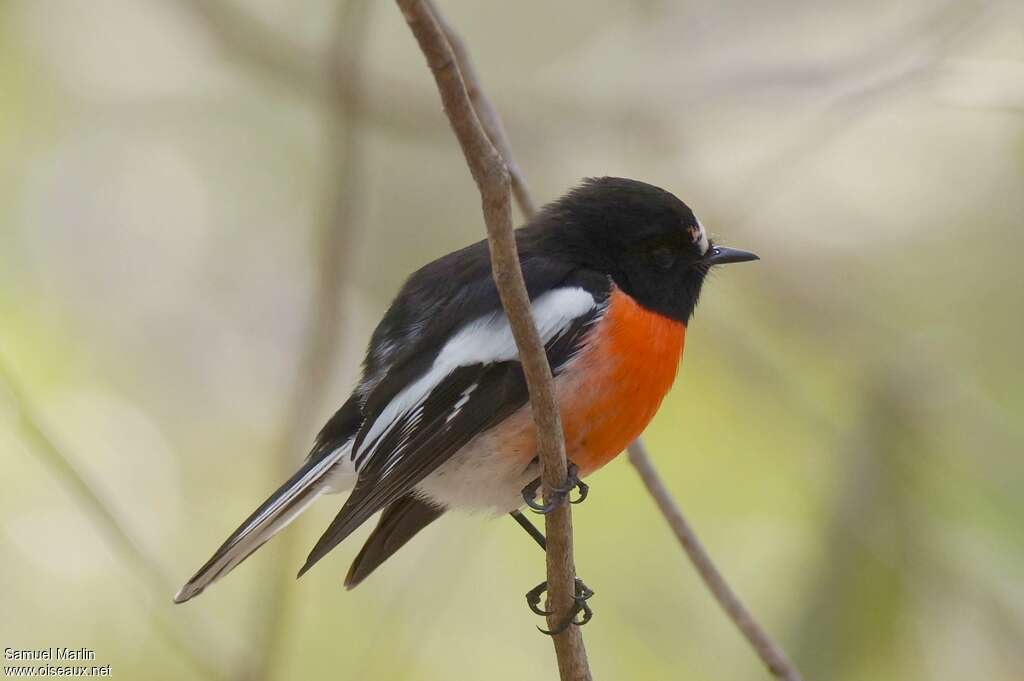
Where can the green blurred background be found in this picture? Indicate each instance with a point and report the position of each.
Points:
(846, 433)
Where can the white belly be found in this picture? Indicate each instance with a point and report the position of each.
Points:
(490, 472)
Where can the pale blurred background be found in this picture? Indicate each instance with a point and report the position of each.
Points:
(846, 435)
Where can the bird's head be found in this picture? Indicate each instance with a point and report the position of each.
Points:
(649, 242)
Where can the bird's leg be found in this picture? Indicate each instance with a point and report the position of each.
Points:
(534, 595)
(580, 605)
(560, 493)
(531, 529)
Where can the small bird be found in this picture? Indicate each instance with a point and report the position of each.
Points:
(440, 418)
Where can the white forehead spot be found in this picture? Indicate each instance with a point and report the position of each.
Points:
(699, 236)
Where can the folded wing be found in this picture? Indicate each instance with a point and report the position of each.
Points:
(425, 410)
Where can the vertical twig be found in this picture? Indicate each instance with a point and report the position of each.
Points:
(323, 341)
(769, 652)
(492, 178)
(114, 530)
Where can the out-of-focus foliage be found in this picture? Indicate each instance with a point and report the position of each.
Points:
(846, 433)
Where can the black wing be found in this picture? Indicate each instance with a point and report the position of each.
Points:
(440, 297)
(469, 400)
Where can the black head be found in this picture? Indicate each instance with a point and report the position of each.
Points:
(644, 238)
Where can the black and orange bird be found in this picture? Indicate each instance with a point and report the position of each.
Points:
(440, 418)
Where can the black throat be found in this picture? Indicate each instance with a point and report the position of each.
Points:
(671, 292)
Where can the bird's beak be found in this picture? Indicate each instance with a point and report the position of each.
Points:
(720, 255)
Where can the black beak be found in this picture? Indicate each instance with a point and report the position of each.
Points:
(720, 255)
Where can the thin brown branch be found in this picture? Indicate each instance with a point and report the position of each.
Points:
(114, 530)
(323, 341)
(491, 175)
(769, 652)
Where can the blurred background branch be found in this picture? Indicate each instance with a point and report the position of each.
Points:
(324, 340)
(770, 653)
(193, 647)
(486, 114)
(245, 40)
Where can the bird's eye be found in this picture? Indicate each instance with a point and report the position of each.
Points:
(663, 257)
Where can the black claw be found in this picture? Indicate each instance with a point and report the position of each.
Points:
(533, 597)
(584, 489)
(559, 493)
(583, 592)
(557, 630)
(541, 508)
(572, 480)
(588, 613)
(530, 494)
(579, 607)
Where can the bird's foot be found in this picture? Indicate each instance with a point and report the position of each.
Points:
(560, 493)
(583, 593)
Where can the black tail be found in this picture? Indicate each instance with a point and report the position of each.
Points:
(283, 506)
(326, 462)
(397, 525)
